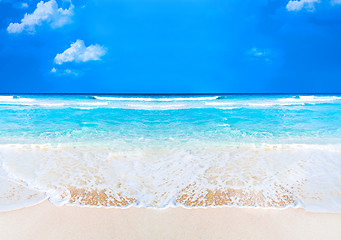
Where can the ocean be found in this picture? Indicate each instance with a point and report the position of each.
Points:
(158, 151)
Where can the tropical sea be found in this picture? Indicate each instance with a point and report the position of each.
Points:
(207, 150)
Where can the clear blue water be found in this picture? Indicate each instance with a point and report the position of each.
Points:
(159, 132)
(245, 118)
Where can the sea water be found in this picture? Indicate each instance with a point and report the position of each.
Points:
(171, 150)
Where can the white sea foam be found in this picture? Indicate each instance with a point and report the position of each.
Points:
(48, 103)
(97, 104)
(160, 176)
(85, 108)
(14, 195)
(220, 103)
(247, 104)
(309, 99)
(149, 99)
(228, 108)
(14, 99)
(155, 106)
(271, 104)
(6, 98)
(266, 103)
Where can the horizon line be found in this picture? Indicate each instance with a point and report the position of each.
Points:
(156, 93)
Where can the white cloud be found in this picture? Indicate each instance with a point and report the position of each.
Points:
(298, 5)
(259, 54)
(45, 12)
(64, 72)
(78, 52)
(309, 5)
(24, 5)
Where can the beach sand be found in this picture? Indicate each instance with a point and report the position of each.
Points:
(46, 221)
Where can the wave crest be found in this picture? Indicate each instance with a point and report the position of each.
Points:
(149, 99)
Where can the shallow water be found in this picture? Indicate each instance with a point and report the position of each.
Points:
(170, 150)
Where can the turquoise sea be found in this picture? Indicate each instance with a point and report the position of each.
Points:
(171, 150)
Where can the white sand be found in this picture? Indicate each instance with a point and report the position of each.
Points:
(46, 221)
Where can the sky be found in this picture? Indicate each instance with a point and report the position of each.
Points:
(170, 46)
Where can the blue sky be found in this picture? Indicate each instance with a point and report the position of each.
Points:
(151, 46)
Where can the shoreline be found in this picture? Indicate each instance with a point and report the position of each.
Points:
(47, 221)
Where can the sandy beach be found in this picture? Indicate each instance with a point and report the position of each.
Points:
(46, 221)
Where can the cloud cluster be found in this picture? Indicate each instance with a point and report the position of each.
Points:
(45, 12)
(256, 52)
(295, 5)
(78, 52)
(64, 72)
(259, 54)
(49, 13)
(309, 5)
(24, 5)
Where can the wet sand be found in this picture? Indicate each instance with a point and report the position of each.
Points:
(46, 221)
